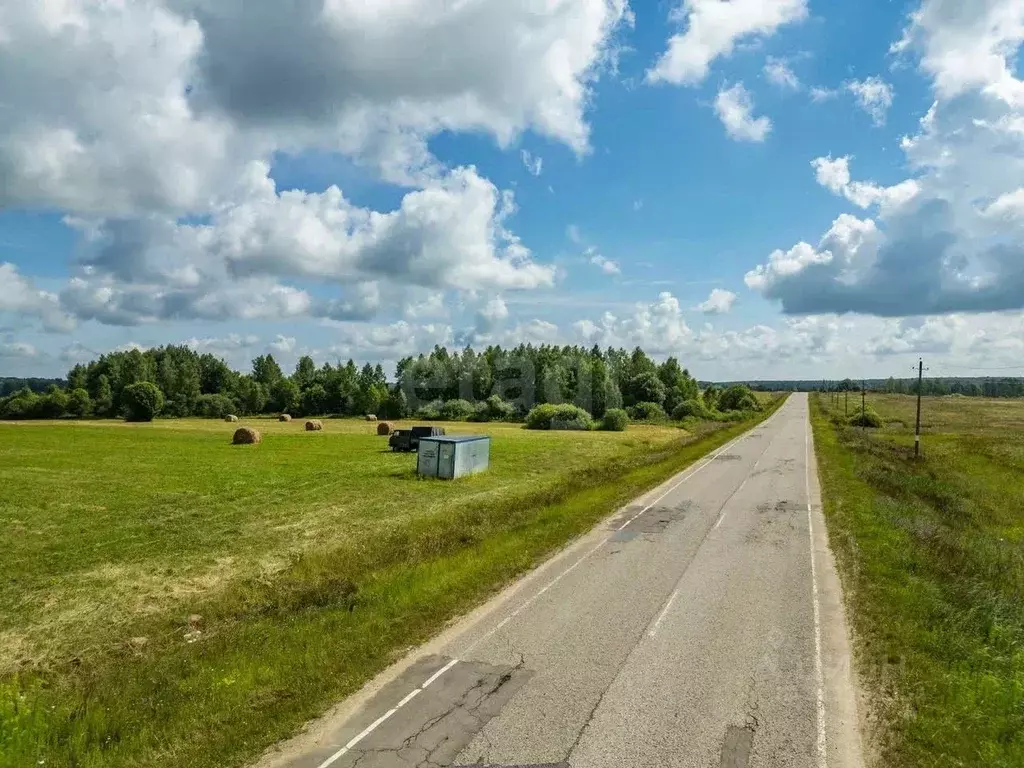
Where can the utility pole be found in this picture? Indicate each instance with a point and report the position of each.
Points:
(846, 405)
(917, 426)
(863, 405)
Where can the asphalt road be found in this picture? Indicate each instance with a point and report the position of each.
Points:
(701, 626)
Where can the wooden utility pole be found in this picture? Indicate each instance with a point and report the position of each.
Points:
(846, 405)
(863, 405)
(917, 426)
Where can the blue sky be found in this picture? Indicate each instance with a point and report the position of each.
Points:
(763, 188)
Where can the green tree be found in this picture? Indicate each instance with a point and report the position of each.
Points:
(645, 388)
(77, 378)
(250, 395)
(265, 370)
(305, 372)
(284, 396)
(142, 401)
(397, 405)
(314, 400)
(79, 402)
(54, 403)
(215, 377)
(103, 397)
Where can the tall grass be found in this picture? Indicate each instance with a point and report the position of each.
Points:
(930, 552)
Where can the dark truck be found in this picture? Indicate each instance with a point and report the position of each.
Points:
(409, 439)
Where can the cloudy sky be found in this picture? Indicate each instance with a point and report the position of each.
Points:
(763, 188)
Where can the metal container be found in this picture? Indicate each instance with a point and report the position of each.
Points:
(453, 456)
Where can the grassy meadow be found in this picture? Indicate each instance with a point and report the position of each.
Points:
(170, 599)
(931, 554)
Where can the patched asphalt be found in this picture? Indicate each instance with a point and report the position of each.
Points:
(680, 633)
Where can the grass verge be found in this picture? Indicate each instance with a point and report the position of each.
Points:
(269, 654)
(930, 553)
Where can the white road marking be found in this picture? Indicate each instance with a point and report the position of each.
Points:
(721, 516)
(410, 696)
(383, 718)
(664, 612)
(822, 743)
(604, 541)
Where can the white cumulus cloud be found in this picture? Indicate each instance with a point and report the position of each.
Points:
(534, 165)
(735, 108)
(719, 302)
(873, 95)
(780, 74)
(834, 175)
(606, 265)
(712, 29)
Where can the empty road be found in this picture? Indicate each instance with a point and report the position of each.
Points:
(701, 626)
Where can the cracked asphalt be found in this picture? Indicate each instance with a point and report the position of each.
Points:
(682, 632)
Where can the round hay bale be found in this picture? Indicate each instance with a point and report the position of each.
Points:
(370, 417)
(284, 417)
(385, 428)
(314, 425)
(246, 436)
(230, 419)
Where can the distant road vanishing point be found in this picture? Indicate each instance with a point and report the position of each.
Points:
(702, 626)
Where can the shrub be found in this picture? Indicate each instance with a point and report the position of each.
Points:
(499, 409)
(647, 412)
(79, 403)
(23, 404)
(214, 406)
(565, 416)
(142, 401)
(710, 397)
(456, 410)
(493, 409)
(869, 418)
(430, 412)
(615, 420)
(53, 404)
(481, 413)
(691, 409)
(738, 398)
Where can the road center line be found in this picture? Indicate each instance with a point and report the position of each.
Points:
(819, 677)
(383, 718)
(605, 540)
(721, 516)
(411, 695)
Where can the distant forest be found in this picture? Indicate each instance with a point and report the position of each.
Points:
(969, 386)
(438, 384)
(10, 384)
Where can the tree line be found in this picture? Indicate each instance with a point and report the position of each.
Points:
(493, 383)
(969, 386)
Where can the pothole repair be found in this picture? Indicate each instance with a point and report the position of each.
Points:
(737, 746)
(431, 730)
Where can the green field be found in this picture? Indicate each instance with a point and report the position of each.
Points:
(931, 553)
(170, 599)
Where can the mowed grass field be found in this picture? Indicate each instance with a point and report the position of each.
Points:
(169, 599)
(931, 553)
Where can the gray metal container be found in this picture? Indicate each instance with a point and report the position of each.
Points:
(453, 456)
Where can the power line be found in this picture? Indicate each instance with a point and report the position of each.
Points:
(979, 368)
